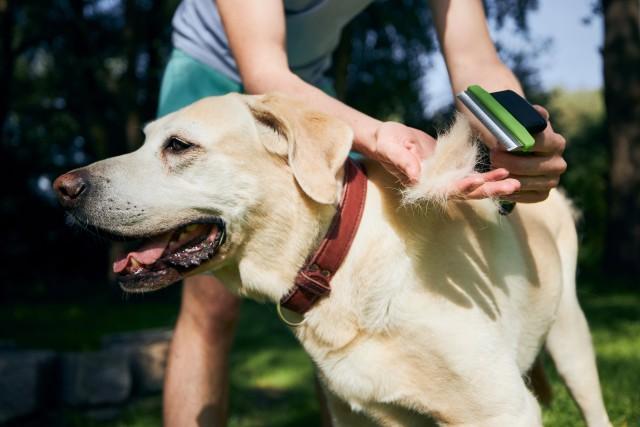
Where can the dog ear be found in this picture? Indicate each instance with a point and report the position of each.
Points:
(316, 144)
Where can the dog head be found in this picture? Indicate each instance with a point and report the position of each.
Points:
(208, 178)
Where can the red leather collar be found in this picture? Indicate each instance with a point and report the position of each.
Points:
(313, 280)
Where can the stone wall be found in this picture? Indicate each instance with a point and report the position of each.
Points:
(128, 365)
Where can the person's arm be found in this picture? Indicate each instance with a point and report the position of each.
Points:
(471, 58)
(257, 33)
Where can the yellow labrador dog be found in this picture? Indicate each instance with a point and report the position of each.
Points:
(439, 308)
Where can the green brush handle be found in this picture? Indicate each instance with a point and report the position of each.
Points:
(504, 118)
(509, 123)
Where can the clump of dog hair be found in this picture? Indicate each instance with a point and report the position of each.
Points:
(454, 158)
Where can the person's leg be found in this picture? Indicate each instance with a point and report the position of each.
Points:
(196, 380)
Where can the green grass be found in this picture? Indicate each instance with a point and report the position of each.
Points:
(615, 326)
(272, 378)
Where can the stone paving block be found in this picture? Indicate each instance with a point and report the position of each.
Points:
(96, 378)
(27, 379)
(147, 336)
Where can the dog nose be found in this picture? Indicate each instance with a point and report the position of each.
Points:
(69, 187)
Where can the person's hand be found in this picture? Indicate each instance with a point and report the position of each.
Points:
(537, 172)
(400, 150)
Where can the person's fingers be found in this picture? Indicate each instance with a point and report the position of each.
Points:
(543, 111)
(410, 159)
(468, 184)
(421, 144)
(412, 170)
(529, 165)
(537, 183)
(496, 189)
(415, 149)
(549, 142)
(426, 144)
(527, 196)
(471, 183)
(405, 166)
(401, 149)
(495, 174)
(393, 170)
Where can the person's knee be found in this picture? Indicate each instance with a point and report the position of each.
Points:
(211, 308)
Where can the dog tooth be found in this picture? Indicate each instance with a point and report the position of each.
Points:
(135, 263)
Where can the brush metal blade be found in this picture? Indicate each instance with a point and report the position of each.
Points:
(502, 135)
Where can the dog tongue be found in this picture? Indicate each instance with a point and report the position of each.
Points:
(147, 254)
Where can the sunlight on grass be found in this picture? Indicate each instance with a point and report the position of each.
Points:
(272, 379)
(274, 368)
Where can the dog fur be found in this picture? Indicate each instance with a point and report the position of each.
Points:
(436, 314)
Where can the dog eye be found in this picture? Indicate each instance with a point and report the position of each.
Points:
(177, 145)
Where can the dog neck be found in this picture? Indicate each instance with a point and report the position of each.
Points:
(313, 281)
(280, 242)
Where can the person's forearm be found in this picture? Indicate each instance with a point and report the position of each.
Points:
(365, 127)
(492, 76)
(256, 31)
(468, 50)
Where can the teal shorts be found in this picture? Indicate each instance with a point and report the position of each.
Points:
(187, 80)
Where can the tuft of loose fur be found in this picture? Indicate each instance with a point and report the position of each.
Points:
(454, 158)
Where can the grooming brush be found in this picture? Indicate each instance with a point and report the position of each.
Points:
(509, 118)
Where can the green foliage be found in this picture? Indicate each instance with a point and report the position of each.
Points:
(504, 10)
(390, 43)
(80, 77)
(579, 116)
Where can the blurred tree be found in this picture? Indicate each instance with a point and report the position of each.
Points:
(77, 80)
(622, 98)
(7, 56)
(386, 51)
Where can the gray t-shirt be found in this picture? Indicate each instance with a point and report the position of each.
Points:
(313, 32)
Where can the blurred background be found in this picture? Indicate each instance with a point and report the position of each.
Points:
(79, 79)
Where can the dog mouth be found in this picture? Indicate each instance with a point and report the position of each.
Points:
(166, 258)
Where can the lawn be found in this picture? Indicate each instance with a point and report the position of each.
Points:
(272, 379)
